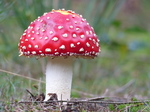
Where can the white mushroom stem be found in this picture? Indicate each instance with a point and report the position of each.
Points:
(59, 77)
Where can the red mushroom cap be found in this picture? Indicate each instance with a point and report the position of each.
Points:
(59, 33)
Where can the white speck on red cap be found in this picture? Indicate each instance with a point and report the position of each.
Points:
(77, 29)
(29, 46)
(26, 39)
(36, 46)
(82, 36)
(32, 38)
(47, 50)
(72, 45)
(60, 27)
(46, 38)
(33, 52)
(24, 33)
(62, 47)
(74, 35)
(67, 19)
(24, 47)
(87, 44)
(51, 32)
(54, 38)
(81, 49)
(71, 26)
(65, 35)
(48, 17)
(78, 43)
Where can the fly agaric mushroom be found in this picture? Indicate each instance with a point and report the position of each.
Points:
(59, 35)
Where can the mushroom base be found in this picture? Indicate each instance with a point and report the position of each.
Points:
(59, 77)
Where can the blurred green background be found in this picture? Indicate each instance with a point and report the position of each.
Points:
(122, 69)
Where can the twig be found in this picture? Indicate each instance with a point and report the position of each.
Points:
(95, 99)
(21, 76)
(30, 93)
(83, 101)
